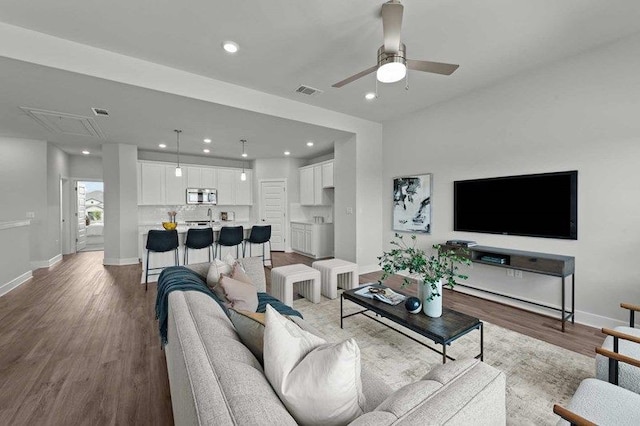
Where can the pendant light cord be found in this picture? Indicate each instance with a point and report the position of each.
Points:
(178, 143)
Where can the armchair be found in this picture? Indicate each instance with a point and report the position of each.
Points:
(629, 376)
(601, 402)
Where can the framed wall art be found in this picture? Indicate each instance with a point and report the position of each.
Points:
(412, 203)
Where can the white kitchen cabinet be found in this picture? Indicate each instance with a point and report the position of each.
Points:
(312, 192)
(243, 189)
(201, 177)
(175, 187)
(307, 197)
(208, 177)
(226, 187)
(312, 239)
(327, 174)
(152, 184)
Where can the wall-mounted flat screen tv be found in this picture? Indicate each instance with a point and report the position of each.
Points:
(540, 205)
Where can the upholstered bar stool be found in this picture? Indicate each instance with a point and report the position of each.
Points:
(336, 273)
(160, 242)
(229, 236)
(284, 277)
(259, 235)
(198, 239)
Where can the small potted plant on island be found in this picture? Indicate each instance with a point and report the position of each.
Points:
(431, 271)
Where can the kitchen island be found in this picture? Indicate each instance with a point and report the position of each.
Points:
(159, 260)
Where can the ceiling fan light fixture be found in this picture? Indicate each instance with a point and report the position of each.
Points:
(391, 72)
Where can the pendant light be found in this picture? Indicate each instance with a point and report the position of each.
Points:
(178, 169)
(243, 175)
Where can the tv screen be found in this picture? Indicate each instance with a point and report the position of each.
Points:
(540, 205)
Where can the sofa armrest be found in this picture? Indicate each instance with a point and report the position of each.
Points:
(459, 392)
(571, 417)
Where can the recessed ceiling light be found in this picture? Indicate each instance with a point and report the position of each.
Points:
(206, 151)
(309, 143)
(287, 153)
(370, 96)
(244, 154)
(85, 152)
(207, 140)
(162, 145)
(230, 46)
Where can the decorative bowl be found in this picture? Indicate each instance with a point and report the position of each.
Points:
(413, 305)
(169, 226)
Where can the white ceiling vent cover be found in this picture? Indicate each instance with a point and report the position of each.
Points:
(307, 90)
(69, 124)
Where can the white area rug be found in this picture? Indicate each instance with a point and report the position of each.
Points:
(539, 374)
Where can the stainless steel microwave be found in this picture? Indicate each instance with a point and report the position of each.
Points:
(202, 196)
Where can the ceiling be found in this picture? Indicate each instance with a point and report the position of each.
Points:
(147, 118)
(284, 43)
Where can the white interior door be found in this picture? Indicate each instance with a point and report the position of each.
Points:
(273, 207)
(81, 235)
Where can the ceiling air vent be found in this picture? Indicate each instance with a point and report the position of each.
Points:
(309, 91)
(100, 112)
(69, 124)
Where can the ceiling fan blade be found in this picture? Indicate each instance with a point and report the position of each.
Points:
(391, 25)
(356, 76)
(434, 67)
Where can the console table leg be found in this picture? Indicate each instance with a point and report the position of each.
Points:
(444, 353)
(481, 341)
(563, 295)
(573, 298)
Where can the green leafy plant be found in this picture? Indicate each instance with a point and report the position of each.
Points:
(443, 264)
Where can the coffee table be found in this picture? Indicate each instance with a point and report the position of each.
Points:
(443, 330)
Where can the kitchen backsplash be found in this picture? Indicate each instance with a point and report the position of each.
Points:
(156, 214)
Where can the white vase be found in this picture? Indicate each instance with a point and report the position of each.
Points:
(433, 307)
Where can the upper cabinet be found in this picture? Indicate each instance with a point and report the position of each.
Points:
(159, 185)
(152, 184)
(313, 181)
(327, 175)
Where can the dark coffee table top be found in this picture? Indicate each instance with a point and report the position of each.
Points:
(447, 328)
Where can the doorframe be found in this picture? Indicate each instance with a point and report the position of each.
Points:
(65, 215)
(73, 201)
(287, 236)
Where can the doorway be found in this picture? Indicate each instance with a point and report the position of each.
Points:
(90, 213)
(273, 210)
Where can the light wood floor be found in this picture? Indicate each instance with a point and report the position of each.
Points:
(79, 344)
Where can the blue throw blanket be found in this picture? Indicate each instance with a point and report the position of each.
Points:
(265, 299)
(184, 279)
(172, 279)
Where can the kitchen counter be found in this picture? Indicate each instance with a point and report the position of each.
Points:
(182, 227)
(311, 222)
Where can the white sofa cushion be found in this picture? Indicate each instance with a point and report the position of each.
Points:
(318, 382)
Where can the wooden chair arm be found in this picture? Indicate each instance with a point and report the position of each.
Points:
(571, 417)
(630, 306)
(621, 335)
(618, 357)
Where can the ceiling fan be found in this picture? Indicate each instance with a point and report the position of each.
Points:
(392, 61)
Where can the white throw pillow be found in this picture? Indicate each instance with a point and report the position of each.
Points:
(318, 382)
(216, 269)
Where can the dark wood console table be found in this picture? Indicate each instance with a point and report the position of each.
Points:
(539, 263)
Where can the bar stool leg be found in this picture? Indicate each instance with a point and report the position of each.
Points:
(146, 278)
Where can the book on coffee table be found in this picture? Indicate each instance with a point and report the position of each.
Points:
(381, 293)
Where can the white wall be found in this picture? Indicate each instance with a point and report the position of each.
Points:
(579, 114)
(345, 225)
(85, 167)
(57, 168)
(121, 204)
(171, 157)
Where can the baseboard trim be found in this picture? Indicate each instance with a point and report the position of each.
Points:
(108, 261)
(37, 264)
(14, 283)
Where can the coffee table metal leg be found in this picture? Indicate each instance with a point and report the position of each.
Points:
(341, 317)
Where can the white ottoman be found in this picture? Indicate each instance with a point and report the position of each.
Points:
(283, 278)
(336, 273)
